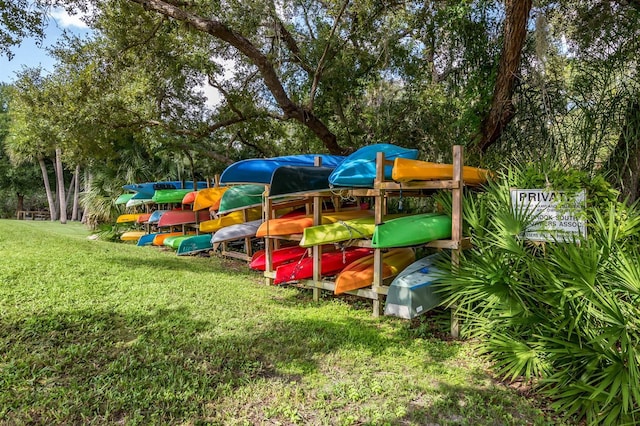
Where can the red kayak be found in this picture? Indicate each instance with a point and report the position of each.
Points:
(181, 217)
(330, 263)
(278, 257)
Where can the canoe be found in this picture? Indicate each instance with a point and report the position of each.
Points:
(342, 230)
(411, 230)
(158, 240)
(405, 170)
(143, 218)
(295, 180)
(411, 293)
(174, 241)
(123, 198)
(170, 196)
(135, 202)
(214, 225)
(147, 239)
(296, 225)
(241, 197)
(260, 170)
(278, 257)
(132, 235)
(359, 168)
(195, 244)
(189, 197)
(236, 232)
(208, 198)
(330, 264)
(128, 218)
(156, 215)
(359, 274)
(182, 217)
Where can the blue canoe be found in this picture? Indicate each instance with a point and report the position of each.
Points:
(259, 170)
(359, 169)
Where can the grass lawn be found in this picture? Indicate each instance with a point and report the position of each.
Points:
(103, 333)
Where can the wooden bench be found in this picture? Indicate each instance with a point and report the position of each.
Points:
(33, 215)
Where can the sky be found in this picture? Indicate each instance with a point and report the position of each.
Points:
(30, 55)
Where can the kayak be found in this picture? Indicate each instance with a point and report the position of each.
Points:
(236, 232)
(278, 257)
(241, 197)
(170, 196)
(260, 170)
(182, 217)
(195, 244)
(189, 197)
(158, 240)
(214, 225)
(123, 198)
(132, 235)
(412, 292)
(359, 168)
(209, 198)
(156, 215)
(359, 274)
(294, 180)
(147, 239)
(341, 230)
(174, 241)
(330, 264)
(296, 225)
(411, 230)
(128, 218)
(149, 188)
(405, 170)
(143, 218)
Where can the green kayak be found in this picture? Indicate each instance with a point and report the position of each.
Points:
(175, 241)
(194, 244)
(123, 198)
(411, 230)
(342, 230)
(241, 197)
(162, 196)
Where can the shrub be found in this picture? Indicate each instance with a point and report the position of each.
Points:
(564, 315)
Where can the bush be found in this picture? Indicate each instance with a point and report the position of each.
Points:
(564, 315)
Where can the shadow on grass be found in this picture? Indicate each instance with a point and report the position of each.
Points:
(170, 262)
(101, 365)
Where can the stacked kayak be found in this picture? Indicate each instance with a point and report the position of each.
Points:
(128, 218)
(236, 232)
(131, 235)
(296, 225)
(182, 217)
(411, 230)
(412, 292)
(241, 197)
(194, 244)
(213, 225)
(359, 274)
(209, 198)
(359, 168)
(341, 230)
(330, 264)
(170, 196)
(405, 169)
(278, 257)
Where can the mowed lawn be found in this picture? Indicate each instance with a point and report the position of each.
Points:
(95, 332)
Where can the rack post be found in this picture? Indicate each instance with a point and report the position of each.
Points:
(456, 224)
(317, 249)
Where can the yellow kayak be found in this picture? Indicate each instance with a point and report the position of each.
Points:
(129, 217)
(132, 235)
(405, 170)
(232, 218)
(208, 198)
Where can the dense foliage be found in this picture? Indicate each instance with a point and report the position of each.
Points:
(565, 315)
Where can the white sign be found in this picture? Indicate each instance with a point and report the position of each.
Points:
(555, 215)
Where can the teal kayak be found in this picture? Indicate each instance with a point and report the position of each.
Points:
(194, 244)
(411, 230)
(241, 197)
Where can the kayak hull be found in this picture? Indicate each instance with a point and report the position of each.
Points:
(209, 198)
(213, 225)
(359, 274)
(296, 225)
(405, 170)
(241, 197)
(182, 217)
(236, 232)
(195, 244)
(411, 230)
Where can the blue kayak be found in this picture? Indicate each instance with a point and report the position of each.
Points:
(156, 215)
(259, 170)
(359, 169)
(147, 189)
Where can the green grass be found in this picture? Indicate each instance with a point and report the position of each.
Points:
(94, 332)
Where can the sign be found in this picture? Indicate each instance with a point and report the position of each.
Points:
(555, 215)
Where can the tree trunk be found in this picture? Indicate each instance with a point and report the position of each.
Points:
(502, 110)
(87, 187)
(76, 195)
(20, 202)
(47, 187)
(60, 186)
(624, 161)
(70, 189)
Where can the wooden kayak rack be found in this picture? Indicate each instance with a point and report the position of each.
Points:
(382, 189)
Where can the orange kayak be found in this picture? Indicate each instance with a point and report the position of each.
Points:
(190, 197)
(359, 274)
(158, 240)
(296, 225)
(405, 169)
(209, 198)
(143, 217)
